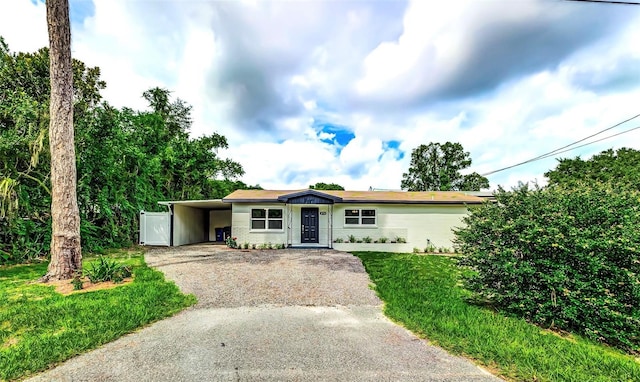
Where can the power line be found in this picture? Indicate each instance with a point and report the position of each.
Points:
(596, 141)
(566, 148)
(606, 2)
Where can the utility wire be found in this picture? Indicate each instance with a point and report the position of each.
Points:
(596, 141)
(606, 2)
(566, 148)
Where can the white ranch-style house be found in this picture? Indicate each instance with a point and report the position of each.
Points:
(396, 221)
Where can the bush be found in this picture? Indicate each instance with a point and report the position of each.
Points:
(231, 242)
(367, 239)
(105, 269)
(565, 258)
(383, 240)
(352, 239)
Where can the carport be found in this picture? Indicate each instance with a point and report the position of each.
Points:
(186, 222)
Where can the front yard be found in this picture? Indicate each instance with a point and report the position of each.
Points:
(40, 327)
(422, 293)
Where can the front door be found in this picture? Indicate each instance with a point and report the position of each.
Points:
(309, 225)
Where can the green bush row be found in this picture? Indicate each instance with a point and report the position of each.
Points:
(561, 258)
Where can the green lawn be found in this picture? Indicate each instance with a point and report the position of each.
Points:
(423, 294)
(39, 327)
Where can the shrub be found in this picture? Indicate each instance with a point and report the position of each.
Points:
(339, 240)
(231, 242)
(430, 249)
(367, 239)
(565, 258)
(400, 239)
(352, 239)
(76, 281)
(245, 245)
(416, 250)
(383, 239)
(105, 269)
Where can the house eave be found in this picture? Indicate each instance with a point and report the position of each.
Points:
(251, 201)
(360, 201)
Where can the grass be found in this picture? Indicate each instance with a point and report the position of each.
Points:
(40, 327)
(423, 294)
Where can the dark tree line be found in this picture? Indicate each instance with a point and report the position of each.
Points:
(127, 160)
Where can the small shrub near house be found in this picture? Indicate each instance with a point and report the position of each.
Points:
(561, 258)
(231, 242)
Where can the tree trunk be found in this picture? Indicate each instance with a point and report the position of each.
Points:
(66, 256)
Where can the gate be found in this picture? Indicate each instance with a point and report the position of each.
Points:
(155, 228)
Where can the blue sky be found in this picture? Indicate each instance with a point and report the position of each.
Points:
(341, 92)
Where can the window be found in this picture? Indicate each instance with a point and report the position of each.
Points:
(360, 217)
(266, 218)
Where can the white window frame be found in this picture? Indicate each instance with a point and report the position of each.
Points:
(266, 220)
(360, 217)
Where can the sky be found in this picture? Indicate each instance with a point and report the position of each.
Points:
(343, 91)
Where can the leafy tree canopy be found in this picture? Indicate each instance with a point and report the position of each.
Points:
(326, 186)
(620, 168)
(436, 167)
(126, 160)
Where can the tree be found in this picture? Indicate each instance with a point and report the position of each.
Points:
(619, 168)
(126, 160)
(25, 183)
(559, 257)
(436, 167)
(326, 186)
(66, 256)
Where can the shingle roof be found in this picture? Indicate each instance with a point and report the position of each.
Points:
(395, 197)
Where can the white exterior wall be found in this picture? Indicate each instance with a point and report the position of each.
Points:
(419, 225)
(218, 219)
(415, 223)
(188, 225)
(241, 225)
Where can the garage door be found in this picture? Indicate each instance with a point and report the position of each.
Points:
(155, 228)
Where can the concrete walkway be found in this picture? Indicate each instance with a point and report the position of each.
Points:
(267, 342)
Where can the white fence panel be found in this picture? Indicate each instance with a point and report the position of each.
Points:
(155, 228)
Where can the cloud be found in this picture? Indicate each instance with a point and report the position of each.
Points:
(276, 57)
(341, 92)
(23, 25)
(468, 47)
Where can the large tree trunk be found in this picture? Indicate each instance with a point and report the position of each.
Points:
(66, 257)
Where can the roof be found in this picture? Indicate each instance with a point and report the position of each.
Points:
(394, 197)
(209, 204)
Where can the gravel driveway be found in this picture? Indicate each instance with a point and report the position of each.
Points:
(286, 315)
(225, 278)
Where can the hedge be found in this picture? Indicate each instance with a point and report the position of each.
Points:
(561, 258)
